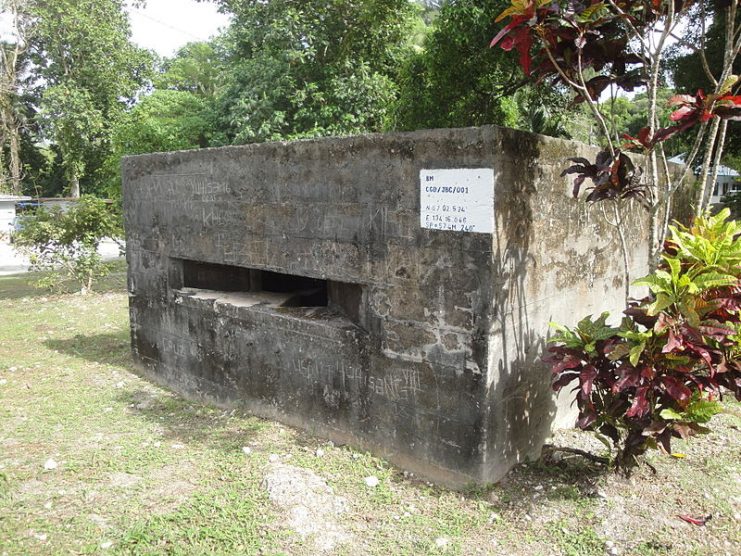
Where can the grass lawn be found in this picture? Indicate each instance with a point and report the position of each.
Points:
(94, 459)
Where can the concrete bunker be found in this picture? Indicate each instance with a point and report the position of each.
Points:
(392, 291)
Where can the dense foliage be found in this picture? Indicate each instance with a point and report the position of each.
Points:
(64, 244)
(659, 374)
(85, 70)
(453, 82)
(281, 70)
(318, 67)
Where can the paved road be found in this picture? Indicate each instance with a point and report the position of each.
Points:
(12, 262)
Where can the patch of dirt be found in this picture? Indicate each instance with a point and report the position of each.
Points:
(143, 400)
(100, 521)
(123, 480)
(311, 505)
(169, 487)
(32, 487)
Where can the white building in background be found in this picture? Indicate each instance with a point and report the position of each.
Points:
(7, 214)
(727, 180)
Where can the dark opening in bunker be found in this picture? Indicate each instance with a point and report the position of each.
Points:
(217, 277)
(299, 291)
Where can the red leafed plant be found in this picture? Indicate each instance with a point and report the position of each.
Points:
(660, 374)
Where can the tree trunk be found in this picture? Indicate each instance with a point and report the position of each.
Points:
(716, 163)
(74, 187)
(15, 159)
(654, 243)
(705, 170)
(4, 188)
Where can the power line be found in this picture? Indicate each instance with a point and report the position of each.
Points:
(176, 29)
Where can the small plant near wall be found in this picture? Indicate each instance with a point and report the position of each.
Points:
(661, 373)
(64, 245)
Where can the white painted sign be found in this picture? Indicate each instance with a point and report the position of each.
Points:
(459, 200)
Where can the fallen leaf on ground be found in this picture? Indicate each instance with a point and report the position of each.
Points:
(695, 520)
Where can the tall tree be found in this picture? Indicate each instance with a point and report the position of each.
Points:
(12, 61)
(87, 70)
(197, 67)
(178, 114)
(311, 68)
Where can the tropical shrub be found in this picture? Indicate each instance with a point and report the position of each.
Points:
(64, 245)
(660, 373)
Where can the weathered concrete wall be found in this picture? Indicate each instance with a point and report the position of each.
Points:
(437, 366)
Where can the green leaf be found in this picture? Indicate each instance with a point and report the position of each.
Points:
(635, 353)
(690, 314)
(686, 282)
(710, 280)
(618, 352)
(671, 415)
(675, 266)
(701, 411)
(662, 302)
(592, 13)
(558, 326)
(659, 282)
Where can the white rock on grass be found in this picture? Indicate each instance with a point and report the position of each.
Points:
(50, 464)
(371, 481)
(442, 542)
(246, 450)
(310, 505)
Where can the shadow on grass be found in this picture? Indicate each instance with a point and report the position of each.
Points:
(18, 286)
(191, 422)
(111, 348)
(183, 420)
(574, 479)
